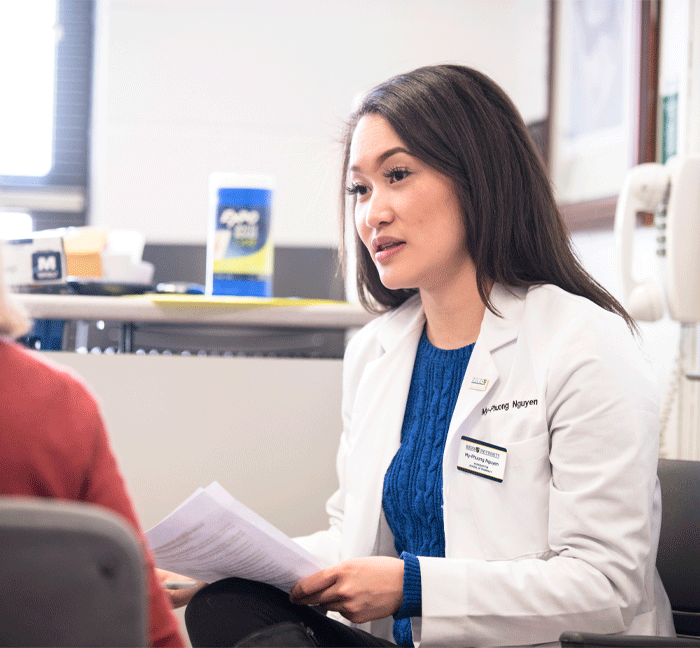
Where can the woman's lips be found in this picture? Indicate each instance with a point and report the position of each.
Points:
(388, 252)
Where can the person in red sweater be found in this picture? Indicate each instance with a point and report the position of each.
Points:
(55, 444)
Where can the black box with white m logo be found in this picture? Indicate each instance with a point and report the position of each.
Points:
(46, 265)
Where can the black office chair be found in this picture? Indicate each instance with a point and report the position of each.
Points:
(71, 574)
(678, 562)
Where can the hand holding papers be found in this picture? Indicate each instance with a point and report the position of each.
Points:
(211, 536)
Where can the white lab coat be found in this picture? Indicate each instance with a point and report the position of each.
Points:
(568, 540)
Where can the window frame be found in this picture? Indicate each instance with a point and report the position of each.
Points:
(60, 198)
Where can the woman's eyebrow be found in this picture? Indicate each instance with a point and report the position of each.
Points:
(384, 156)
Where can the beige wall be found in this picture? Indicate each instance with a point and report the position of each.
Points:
(187, 87)
(267, 429)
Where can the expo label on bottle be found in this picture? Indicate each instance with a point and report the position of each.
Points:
(240, 251)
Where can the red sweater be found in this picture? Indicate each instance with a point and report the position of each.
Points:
(54, 444)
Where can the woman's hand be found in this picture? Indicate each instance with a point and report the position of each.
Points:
(178, 597)
(362, 589)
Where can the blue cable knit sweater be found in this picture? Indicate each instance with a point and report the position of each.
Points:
(412, 496)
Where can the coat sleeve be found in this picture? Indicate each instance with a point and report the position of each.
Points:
(602, 415)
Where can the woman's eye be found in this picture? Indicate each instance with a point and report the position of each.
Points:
(397, 174)
(356, 190)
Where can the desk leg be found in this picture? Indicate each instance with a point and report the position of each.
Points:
(82, 328)
(126, 338)
(66, 338)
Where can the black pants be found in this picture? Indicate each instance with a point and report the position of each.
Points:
(225, 612)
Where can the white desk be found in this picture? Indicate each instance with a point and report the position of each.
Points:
(196, 310)
(313, 313)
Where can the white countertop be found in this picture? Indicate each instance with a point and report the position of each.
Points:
(197, 309)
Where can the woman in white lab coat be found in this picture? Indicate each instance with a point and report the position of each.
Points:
(497, 466)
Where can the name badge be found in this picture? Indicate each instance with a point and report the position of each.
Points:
(481, 458)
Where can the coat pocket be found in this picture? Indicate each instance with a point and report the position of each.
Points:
(512, 517)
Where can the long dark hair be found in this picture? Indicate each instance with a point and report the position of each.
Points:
(462, 124)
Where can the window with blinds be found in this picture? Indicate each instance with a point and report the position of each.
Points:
(46, 49)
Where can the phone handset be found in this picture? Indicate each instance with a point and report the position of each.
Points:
(683, 241)
(643, 190)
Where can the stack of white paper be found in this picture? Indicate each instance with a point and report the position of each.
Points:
(211, 536)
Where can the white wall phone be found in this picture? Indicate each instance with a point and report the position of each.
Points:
(673, 188)
(649, 187)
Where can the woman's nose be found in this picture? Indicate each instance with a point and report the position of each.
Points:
(379, 211)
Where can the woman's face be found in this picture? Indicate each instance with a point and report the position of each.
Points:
(407, 213)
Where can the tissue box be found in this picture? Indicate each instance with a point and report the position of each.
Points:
(83, 247)
(76, 253)
(50, 256)
(33, 262)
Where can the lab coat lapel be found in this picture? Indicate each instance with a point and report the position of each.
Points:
(481, 369)
(379, 410)
(495, 332)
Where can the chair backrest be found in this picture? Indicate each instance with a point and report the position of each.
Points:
(71, 574)
(678, 560)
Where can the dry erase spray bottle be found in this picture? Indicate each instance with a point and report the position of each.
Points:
(239, 247)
